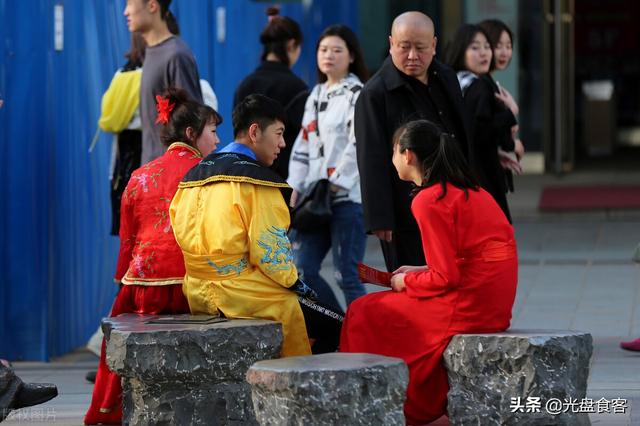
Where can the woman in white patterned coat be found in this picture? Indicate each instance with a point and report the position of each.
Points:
(325, 149)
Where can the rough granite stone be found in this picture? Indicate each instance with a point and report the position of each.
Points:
(487, 370)
(178, 374)
(329, 389)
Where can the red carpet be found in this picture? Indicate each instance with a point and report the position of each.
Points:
(590, 197)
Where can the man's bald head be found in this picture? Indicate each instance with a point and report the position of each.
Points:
(412, 44)
(412, 19)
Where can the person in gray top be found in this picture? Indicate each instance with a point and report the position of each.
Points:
(168, 62)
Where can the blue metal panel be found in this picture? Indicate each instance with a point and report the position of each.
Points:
(25, 195)
(83, 253)
(55, 252)
(57, 257)
(4, 246)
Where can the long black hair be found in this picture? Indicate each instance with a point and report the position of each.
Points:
(186, 113)
(357, 66)
(456, 50)
(277, 33)
(441, 160)
(494, 29)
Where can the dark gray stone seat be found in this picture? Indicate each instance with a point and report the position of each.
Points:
(329, 389)
(509, 378)
(179, 374)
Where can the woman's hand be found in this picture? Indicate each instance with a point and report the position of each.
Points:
(397, 282)
(408, 268)
(294, 198)
(519, 148)
(335, 188)
(383, 234)
(508, 100)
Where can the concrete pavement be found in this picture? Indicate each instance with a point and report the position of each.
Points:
(575, 273)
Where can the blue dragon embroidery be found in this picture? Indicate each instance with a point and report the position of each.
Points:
(277, 249)
(236, 267)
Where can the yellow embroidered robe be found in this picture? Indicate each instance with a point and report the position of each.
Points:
(232, 232)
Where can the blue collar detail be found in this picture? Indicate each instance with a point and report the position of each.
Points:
(239, 148)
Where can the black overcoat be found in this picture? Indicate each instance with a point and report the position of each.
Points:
(277, 81)
(387, 101)
(491, 124)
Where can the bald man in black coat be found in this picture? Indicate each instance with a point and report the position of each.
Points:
(410, 85)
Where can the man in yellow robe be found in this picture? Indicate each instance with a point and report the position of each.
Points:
(231, 221)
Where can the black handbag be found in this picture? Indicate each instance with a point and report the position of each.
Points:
(314, 208)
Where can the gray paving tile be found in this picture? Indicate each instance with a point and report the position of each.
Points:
(605, 314)
(611, 290)
(528, 260)
(531, 322)
(564, 297)
(606, 276)
(533, 317)
(559, 274)
(528, 271)
(617, 233)
(606, 317)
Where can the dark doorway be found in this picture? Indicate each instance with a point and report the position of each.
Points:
(607, 52)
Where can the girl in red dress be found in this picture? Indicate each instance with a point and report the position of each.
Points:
(150, 264)
(467, 286)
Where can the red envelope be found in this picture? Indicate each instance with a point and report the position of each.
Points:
(371, 275)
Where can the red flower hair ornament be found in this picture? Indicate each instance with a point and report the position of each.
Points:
(164, 109)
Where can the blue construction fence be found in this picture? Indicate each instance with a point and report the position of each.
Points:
(57, 256)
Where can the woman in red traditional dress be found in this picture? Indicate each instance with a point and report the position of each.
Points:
(150, 264)
(467, 286)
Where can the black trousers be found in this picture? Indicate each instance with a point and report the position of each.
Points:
(405, 248)
(323, 325)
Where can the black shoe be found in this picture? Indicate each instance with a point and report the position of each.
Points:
(34, 394)
(91, 376)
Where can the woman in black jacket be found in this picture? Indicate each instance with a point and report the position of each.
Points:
(501, 38)
(490, 114)
(281, 40)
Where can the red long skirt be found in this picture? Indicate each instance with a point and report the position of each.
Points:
(106, 401)
(419, 330)
(385, 323)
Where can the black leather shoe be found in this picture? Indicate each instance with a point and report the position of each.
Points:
(33, 394)
(91, 376)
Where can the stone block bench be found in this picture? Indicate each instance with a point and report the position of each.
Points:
(329, 389)
(508, 378)
(179, 374)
